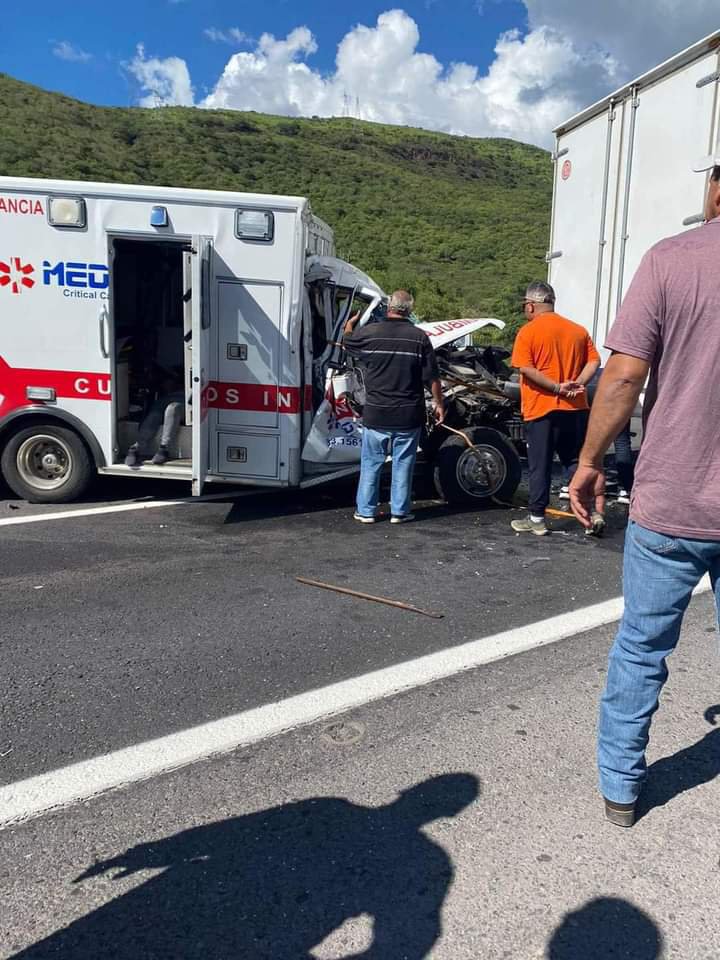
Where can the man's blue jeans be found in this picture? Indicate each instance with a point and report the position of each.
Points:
(659, 575)
(376, 446)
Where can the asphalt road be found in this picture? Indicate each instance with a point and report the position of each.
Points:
(326, 844)
(123, 627)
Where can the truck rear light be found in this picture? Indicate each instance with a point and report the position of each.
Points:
(47, 394)
(67, 212)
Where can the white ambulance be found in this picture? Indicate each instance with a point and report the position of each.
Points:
(109, 292)
(107, 288)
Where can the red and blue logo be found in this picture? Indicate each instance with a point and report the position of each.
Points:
(16, 275)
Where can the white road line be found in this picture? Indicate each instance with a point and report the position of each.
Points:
(29, 798)
(126, 507)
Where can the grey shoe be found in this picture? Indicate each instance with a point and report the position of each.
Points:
(133, 458)
(162, 456)
(404, 518)
(538, 527)
(598, 525)
(621, 814)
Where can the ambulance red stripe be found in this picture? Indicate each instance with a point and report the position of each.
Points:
(78, 385)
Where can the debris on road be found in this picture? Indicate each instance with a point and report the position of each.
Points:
(369, 596)
(560, 513)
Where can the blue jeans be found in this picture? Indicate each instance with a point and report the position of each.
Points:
(376, 445)
(659, 575)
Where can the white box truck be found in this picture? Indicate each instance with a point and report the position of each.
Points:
(623, 180)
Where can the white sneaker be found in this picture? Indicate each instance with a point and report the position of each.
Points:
(564, 493)
(528, 525)
(361, 519)
(405, 518)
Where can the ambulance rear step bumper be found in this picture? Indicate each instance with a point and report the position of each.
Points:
(182, 470)
(175, 470)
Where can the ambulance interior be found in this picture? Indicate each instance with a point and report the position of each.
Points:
(151, 324)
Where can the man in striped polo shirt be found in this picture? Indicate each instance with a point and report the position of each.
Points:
(397, 361)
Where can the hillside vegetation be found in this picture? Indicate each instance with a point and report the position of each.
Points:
(462, 222)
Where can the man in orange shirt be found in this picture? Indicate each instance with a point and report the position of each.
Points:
(556, 359)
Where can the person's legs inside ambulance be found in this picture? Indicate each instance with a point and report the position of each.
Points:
(166, 412)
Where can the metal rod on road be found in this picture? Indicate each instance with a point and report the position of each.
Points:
(369, 596)
(560, 513)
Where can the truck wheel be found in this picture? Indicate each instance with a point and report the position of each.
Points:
(47, 463)
(491, 468)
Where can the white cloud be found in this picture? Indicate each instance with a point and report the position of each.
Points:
(638, 34)
(272, 78)
(538, 80)
(165, 82)
(571, 53)
(379, 73)
(68, 51)
(233, 35)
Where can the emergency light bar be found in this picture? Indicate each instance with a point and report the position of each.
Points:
(67, 212)
(159, 217)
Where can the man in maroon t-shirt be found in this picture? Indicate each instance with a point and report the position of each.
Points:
(668, 326)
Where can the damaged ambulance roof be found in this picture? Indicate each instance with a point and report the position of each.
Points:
(341, 272)
(448, 330)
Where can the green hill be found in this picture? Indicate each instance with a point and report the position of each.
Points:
(462, 222)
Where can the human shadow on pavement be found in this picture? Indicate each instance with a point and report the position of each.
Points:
(605, 928)
(688, 768)
(272, 885)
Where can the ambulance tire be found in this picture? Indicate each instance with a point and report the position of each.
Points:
(490, 471)
(47, 463)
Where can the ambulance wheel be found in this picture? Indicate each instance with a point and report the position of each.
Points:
(47, 463)
(476, 475)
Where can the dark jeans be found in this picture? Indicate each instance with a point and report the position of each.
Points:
(561, 432)
(624, 461)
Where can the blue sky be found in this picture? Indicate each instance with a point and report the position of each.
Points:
(110, 32)
(512, 68)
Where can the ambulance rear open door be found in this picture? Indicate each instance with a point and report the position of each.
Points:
(201, 271)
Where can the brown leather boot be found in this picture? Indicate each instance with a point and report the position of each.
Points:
(621, 814)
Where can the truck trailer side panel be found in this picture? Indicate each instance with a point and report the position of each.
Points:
(578, 217)
(674, 124)
(624, 180)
